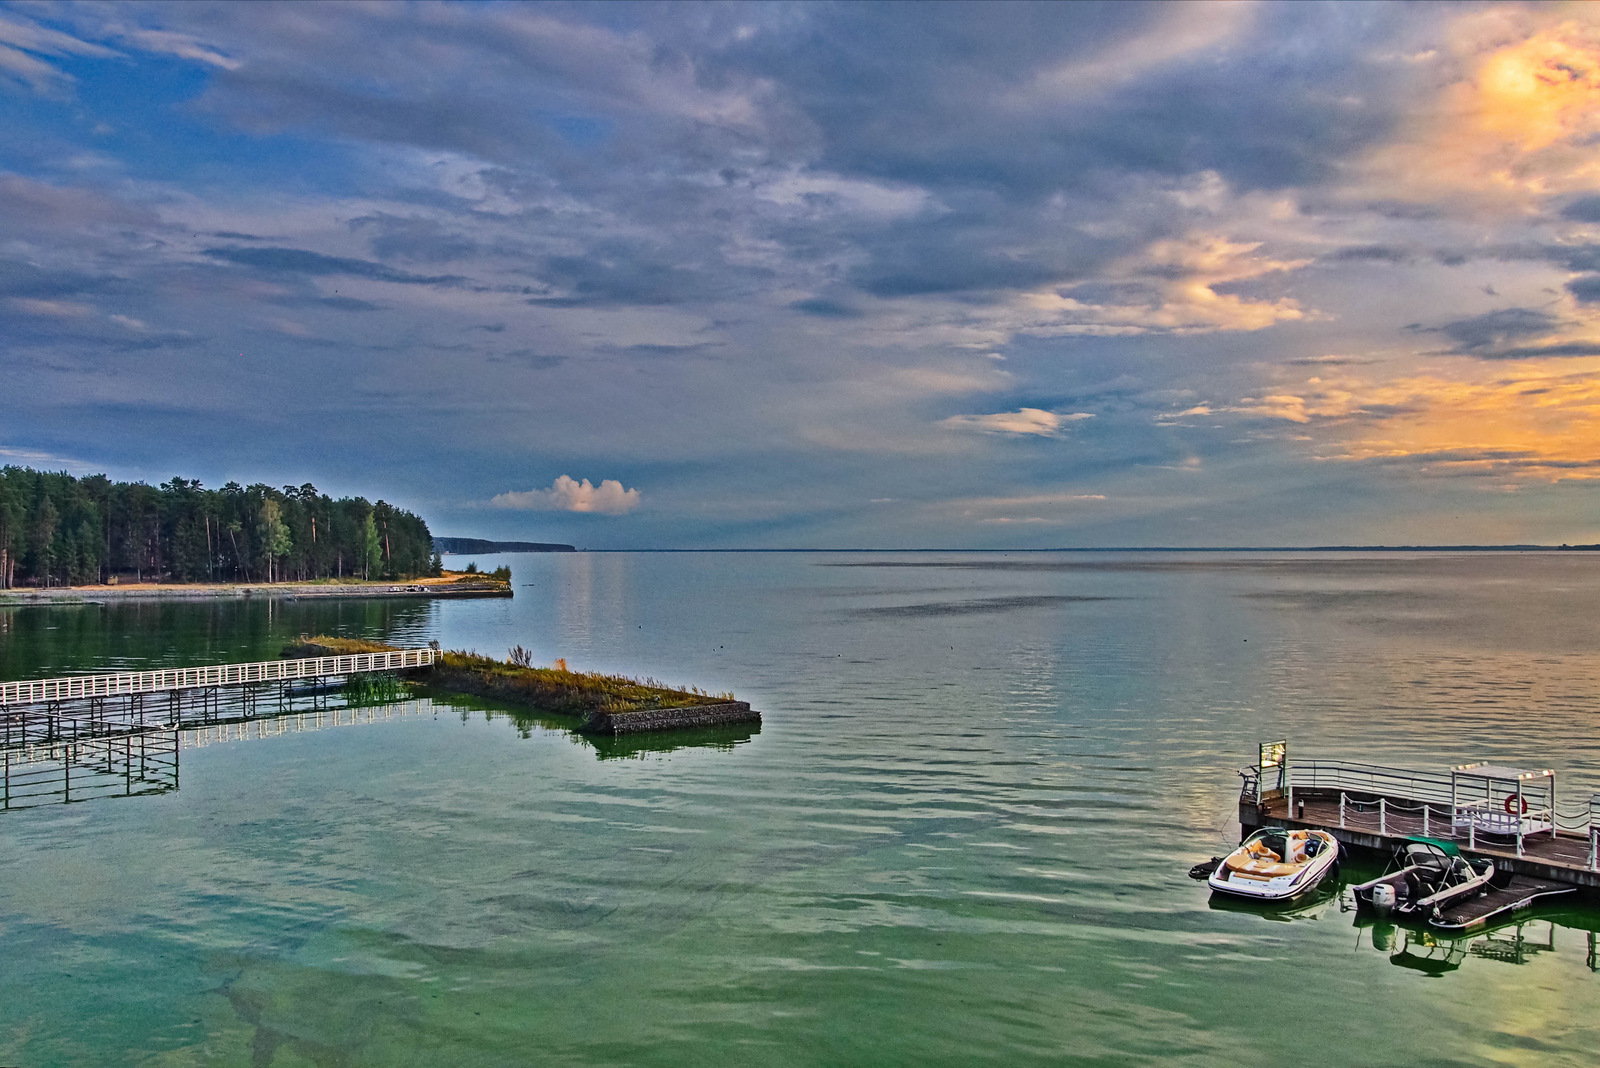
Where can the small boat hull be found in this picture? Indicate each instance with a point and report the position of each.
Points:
(1257, 871)
(1425, 878)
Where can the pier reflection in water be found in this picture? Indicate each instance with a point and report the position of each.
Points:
(44, 764)
(53, 773)
(1418, 948)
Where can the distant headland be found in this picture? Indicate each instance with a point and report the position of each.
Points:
(457, 546)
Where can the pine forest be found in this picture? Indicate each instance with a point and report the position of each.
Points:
(57, 529)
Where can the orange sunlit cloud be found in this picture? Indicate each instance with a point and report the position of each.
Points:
(1530, 420)
(1516, 120)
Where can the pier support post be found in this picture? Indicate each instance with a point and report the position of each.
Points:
(1341, 809)
(1594, 848)
(1425, 832)
(1383, 817)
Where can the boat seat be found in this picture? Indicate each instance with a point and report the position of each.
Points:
(1260, 867)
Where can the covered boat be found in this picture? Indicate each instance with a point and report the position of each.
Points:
(1275, 864)
(1425, 877)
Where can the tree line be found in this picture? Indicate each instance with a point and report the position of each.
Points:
(57, 529)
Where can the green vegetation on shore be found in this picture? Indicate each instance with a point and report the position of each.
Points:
(56, 529)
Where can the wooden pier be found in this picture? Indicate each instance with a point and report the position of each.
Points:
(1508, 815)
(213, 676)
(117, 733)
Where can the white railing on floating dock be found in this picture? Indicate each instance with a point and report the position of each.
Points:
(167, 680)
(1432, 798)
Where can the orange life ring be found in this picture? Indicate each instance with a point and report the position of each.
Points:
(1511, 805)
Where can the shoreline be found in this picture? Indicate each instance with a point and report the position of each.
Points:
(238, 591)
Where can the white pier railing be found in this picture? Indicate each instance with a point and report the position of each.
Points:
(1433, 799)
(168, 680)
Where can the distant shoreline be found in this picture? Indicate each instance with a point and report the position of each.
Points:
(472, 546)
(453, 586)
(1170, 549)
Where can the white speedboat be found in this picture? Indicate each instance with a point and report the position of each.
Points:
(1275, 864)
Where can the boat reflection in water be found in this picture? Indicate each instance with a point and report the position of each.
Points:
(1432, 953)
(1315, 905)
(1413, 945)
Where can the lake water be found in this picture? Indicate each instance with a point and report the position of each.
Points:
(961, 834)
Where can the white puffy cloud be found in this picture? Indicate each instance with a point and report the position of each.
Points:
(567, 494)
(1035, 421)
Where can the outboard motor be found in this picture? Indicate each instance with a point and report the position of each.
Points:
(1383, 898)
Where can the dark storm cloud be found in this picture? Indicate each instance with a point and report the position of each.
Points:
(419, 240)
(1031, 124)
(1367, 253)
(975, 95)
(825, 308)
(1576, 257)
(1585, 290)
(272, 260)
(622, 273)
(1493, 336)
(22, 279)
(1584, 209)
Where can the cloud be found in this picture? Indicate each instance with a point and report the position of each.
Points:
(810, 226)
(1515, 123)
(301, 261)
(1172, 286)
(59, 309)
(1585, 289)
(1506, 334)
(1584, 209)
(1527, 420)
(568, 495)
(827, 309)
(1024, 421)
(1496, 329)
(22, 42)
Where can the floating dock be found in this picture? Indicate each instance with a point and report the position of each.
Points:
(1509, 815)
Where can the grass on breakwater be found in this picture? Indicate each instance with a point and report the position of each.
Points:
(323, 645)
(517, 682)
(558, 689)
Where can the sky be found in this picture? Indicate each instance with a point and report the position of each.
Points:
(819, 275)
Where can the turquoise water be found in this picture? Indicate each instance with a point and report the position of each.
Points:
(961, 834)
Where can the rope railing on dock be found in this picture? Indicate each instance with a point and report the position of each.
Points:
(1403, 801)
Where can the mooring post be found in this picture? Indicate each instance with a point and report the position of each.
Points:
(1594, 841)
(1383, 817)
(1341, 809)
(1472, 829)
(1425, 832)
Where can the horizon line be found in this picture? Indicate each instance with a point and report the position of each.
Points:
(1523, 547)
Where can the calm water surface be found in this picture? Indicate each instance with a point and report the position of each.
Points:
(960, 836)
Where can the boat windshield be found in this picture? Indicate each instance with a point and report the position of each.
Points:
(1426, 855)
